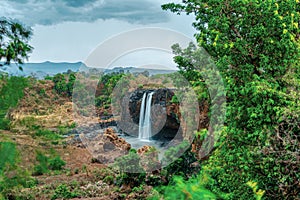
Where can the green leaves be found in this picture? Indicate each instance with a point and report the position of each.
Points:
(47, 163)
(63, 84)
(256, 48)
(10, 93)
(131, 172)
(191, 189)
(14, 41)
(8, 154)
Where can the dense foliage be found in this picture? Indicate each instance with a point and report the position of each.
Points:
(46, 163)
(63, 84)
(181, 190)
(10, 93)
(181, 166)
(127, 166)
(255, 45)
(14, 41)
(105, 88)
(10, 183)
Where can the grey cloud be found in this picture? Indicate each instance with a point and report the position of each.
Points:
(50, 12)
(78, 3)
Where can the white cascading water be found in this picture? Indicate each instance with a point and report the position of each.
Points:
(145, 117)
(142, 113)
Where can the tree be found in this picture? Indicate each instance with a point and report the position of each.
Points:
(14, 39)
(255, 44)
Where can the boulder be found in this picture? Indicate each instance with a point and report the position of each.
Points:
(106, 147)
(149, 158)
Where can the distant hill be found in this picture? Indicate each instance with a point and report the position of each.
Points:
(40, 70)
(134, 70)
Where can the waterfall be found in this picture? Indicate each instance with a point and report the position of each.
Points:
(142, 113)
(145, 117)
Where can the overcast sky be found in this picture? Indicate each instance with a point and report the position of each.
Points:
(69, 30)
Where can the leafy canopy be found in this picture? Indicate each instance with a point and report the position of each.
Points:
(14, 39)
(255, 44)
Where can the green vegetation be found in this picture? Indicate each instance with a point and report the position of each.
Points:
(63, 192)
(10, 183)
(255, 45)
(179, 166)
(106, 85)
(14, 41)
(63, 84)
(47, 134)
(11, 91)
(181, 189)
(256, 49)
(8, 154)
(174, 99)
(128, 166)
(47, 163)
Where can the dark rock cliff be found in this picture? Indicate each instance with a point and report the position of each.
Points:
(164, 113)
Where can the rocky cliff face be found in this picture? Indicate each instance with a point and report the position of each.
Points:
(164, 114)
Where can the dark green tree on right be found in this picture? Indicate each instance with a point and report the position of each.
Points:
(255, 45)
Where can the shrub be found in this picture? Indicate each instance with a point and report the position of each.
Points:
(45, 133)
(127, 166)
(179, 165)
(56, 163)
(42, 167)
(11, 92)
(8, 154)
(62, 85)
(140, 86)
(47, 163)
(63, 192)
(17, 179)
(190, 189)
(109, 179)
(174, 99)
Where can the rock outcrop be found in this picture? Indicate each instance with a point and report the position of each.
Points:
(169, 118)
(149, 158)
(164, 114)
(106, 147)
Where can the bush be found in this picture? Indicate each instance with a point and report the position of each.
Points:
(17, 179)
(4, 123)
(63, 86)
(174, 99)
(42, 167)
(181, 190)
(127, 166)
(8, 154)
(46, 163)
(109, 179)
(63, 192)
(10, 93)
(48, 134)
(56, 163)
(140, 86)
(179, 166)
